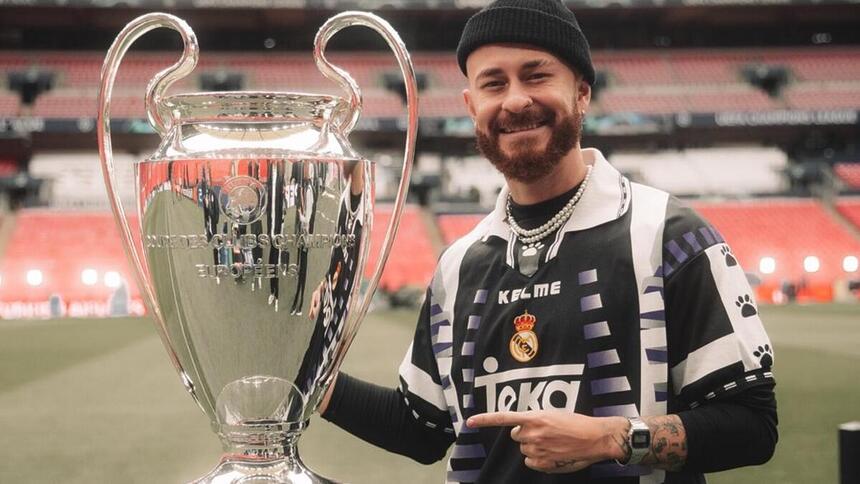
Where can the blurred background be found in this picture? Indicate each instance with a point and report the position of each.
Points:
(748, 109)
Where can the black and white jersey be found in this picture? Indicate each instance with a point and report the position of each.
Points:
(636, 307)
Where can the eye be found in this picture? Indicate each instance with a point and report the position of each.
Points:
(537, 76)
(494, 84)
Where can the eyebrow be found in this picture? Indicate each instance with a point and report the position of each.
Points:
(495, 71)
(535, 64)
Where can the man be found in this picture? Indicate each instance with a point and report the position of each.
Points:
(589, 329)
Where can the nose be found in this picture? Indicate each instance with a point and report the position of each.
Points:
(516, 99)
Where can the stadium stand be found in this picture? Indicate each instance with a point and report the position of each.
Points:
(713, 171)
(652, 82)
(849, 173)
(412, 259)
(45, 259)
(34, 271)
(850, 209)
(786, 230)
(789, 231)
(454, 226)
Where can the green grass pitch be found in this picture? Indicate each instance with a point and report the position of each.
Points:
(95, 401)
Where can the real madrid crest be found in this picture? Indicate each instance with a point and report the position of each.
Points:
(524, 343)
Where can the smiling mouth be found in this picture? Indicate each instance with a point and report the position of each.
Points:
(520, 129)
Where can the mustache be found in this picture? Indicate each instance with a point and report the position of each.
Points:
(536, 114)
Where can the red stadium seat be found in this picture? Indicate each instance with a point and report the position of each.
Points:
(849, 173)
(788, 231)
(454, 226)
(850, 209)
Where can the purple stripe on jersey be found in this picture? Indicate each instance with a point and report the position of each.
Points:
(434, 331)
(468, 348)
(587, 277)
(468, 401)
(717, 235)
(661, 391)
(627, 410)
(610, 385)
(667, 269)
(706, 233)
(658, 315)
(453, 412)
(439, 348)
(596, 330)
(481, 296)
(690, 237)
(473, 451)
(463, 476)
(615, 470)
(435, 309)
(590, 302)
(603, 358)
(653, 289)
(468, 375)
(446, 382)
(474, 322)
(444, 322)
(659, 273)
(657, 355)
(676, 251)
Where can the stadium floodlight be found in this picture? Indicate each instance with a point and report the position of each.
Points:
(89, 277)
(767, 265)
(35, 277)
(112, 279)
(850, 263)
(811, 264)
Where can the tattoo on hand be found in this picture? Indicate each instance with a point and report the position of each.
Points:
(621, 442)
(564, 463)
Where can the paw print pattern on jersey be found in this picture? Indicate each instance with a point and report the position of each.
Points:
(730, 258)
(765, 356)
(745, 303)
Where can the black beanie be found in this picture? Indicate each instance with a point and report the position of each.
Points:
(547, 24)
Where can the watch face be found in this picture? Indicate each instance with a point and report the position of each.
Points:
(641, 439)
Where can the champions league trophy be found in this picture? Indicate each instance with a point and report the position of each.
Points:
(255, 216)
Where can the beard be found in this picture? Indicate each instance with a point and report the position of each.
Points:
(527, 163)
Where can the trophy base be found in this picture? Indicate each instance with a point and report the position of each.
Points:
(236, 469)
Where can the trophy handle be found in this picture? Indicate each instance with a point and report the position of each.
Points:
(154, 93)
(334, 24)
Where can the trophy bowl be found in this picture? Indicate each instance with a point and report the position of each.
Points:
(255, 216)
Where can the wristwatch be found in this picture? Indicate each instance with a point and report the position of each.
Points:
(639, 440)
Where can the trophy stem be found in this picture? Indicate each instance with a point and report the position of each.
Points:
(265, 457)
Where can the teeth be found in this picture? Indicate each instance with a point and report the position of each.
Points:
(523, 128)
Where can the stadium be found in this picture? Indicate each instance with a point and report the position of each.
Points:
(748, 110)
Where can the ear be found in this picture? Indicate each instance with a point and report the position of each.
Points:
(583, 94)
(470, 105)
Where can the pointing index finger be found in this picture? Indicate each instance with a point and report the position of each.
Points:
(497, 419)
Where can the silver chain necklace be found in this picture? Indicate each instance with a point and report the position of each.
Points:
(537, 234)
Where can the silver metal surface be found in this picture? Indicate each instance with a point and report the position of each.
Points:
(255, 217)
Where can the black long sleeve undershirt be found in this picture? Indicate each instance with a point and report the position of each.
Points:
(381, 417)
(737, 431)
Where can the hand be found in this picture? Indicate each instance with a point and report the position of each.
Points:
(323, 406)
(316, 301)
(556, 441)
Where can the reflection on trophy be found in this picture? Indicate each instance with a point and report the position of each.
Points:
(255, 214)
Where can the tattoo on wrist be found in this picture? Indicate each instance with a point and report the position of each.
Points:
(668, 443)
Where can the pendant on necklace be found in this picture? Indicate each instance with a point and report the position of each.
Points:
(529, 259)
